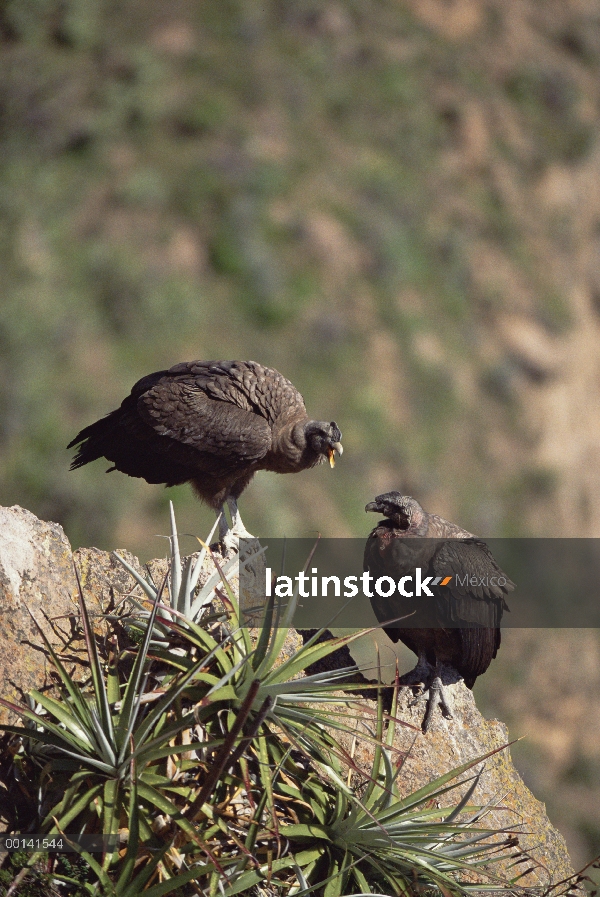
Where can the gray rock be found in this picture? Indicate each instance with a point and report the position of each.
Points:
(36, 573)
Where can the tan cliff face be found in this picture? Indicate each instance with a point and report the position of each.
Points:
(528, 144)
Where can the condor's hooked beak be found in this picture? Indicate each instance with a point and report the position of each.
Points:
(374, 506)
(336, 447)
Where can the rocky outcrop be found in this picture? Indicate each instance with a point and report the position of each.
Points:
(37, 579)
(449, 743)
(37, 576)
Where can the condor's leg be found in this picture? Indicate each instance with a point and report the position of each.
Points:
(433, 692)
(230, 537)
(223, 525)
(215, 498)
(237, 525)
(437, 695)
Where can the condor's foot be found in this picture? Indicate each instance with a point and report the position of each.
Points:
(430, 688)
(419, 676)
(437, 694)
(229, 537)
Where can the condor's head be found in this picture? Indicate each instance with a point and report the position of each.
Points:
(324, 440)
(317, 441)
(404, 512)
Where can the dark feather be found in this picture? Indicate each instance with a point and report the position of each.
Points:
(460, 626)
(212, 423)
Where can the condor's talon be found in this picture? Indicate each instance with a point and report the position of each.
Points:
(435, 695)
(419, 692)
(427, 686)
(419, 675)
(230, 543)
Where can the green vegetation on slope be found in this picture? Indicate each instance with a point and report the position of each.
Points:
(294, 182)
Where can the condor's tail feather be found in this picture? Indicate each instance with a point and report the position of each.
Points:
(94, 441)
(133, 447)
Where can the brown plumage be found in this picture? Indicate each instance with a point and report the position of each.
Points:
(213, 424)
(435, 632)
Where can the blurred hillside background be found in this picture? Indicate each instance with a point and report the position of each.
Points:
(394, 202)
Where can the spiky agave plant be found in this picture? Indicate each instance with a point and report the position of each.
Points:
(179, 593)
(183, 629)
(285, 722)
(407, 845)
(104, 742)
(226, 771)
(117, 745)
